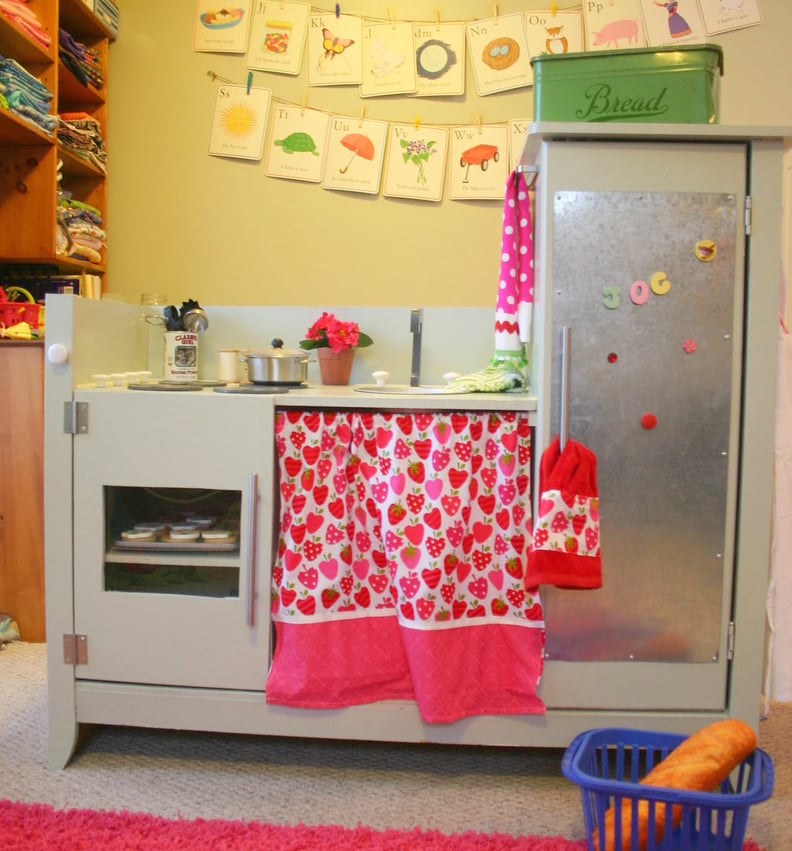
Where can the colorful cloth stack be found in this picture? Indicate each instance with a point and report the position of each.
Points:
(85, 238)
(21, 14)
(107, 12)
(82, 61)
(80, 133)
(26, 96)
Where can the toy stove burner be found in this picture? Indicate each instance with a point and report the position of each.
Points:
(250, 388)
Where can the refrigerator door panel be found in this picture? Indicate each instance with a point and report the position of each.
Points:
(646, 286)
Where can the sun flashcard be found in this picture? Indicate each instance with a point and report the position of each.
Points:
(723, 15)
(335, 50)
(277, 36)
(388, 60)
(297, 146)
(221, 29)
(499, 54)
(355, 153)
(672, 22)
(415, 162)
(479, 158)
(439, 59)
(553, 31)
(239, 122)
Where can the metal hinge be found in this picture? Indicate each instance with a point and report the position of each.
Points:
(75, 649)
(730, 638)
(75, 417)
(748, 215)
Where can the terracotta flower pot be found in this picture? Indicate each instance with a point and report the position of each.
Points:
(335, 367)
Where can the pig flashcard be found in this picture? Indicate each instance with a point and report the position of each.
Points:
(672, 22)
(613, 24)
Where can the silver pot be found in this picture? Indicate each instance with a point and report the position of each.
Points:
(276, 365)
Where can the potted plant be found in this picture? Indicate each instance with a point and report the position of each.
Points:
(335, 342)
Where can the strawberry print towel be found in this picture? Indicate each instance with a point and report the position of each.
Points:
(400, 567)
(566, 542)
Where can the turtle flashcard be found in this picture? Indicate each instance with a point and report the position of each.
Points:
(277, 36)
(297, 146)
(355, 152)
(221, 29)
(239, 122)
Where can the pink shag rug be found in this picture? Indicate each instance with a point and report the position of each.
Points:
(40, 827)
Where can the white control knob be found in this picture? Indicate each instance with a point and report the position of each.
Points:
(57, 353)
(381, 377)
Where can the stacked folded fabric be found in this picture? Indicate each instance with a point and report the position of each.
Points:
(26, 96)
(107, 10)
(85, 238)
(27, 20)
(81, 60)
(80, 133)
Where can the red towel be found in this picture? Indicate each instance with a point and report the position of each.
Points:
(566, 544)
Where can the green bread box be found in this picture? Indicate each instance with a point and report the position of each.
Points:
(667, 85)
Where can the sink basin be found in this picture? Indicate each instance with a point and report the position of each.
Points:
(404, 389)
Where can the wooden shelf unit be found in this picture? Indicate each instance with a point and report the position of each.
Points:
(29, 157)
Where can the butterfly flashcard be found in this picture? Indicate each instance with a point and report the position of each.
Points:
(331, 61)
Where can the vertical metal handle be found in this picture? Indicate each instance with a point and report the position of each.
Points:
(566, 353)
(250, 556)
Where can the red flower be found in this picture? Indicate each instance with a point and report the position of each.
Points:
(331, 333)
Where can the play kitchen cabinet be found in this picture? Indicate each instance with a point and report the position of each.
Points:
(709, 580)
(192, 614)
(29, 176)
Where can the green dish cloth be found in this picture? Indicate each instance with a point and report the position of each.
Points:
(501, 376)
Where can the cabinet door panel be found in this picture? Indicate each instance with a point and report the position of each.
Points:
(161, 612)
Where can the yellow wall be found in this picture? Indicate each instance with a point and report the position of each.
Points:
(191, 225)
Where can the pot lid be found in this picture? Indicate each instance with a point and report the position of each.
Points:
(278, 351)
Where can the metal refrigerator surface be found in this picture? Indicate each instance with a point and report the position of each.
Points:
(652, 328)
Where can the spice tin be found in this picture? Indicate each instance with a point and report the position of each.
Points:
(181, 356)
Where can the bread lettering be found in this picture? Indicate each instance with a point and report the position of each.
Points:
(700, 763)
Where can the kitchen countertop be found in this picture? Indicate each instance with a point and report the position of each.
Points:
(325, 396)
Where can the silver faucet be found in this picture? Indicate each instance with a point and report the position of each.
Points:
(416, 329)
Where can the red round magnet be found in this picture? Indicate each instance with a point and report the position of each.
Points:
(648, 421)
(612, 357)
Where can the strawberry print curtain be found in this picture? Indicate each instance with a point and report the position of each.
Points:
(401, 559)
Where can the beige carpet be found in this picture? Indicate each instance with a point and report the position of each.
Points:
(285, 781)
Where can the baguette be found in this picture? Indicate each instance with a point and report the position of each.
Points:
(700, 763)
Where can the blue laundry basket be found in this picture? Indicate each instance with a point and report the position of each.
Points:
(608, 763)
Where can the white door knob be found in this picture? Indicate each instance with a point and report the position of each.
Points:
(57, 353)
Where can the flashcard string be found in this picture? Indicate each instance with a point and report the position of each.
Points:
(214, 77)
